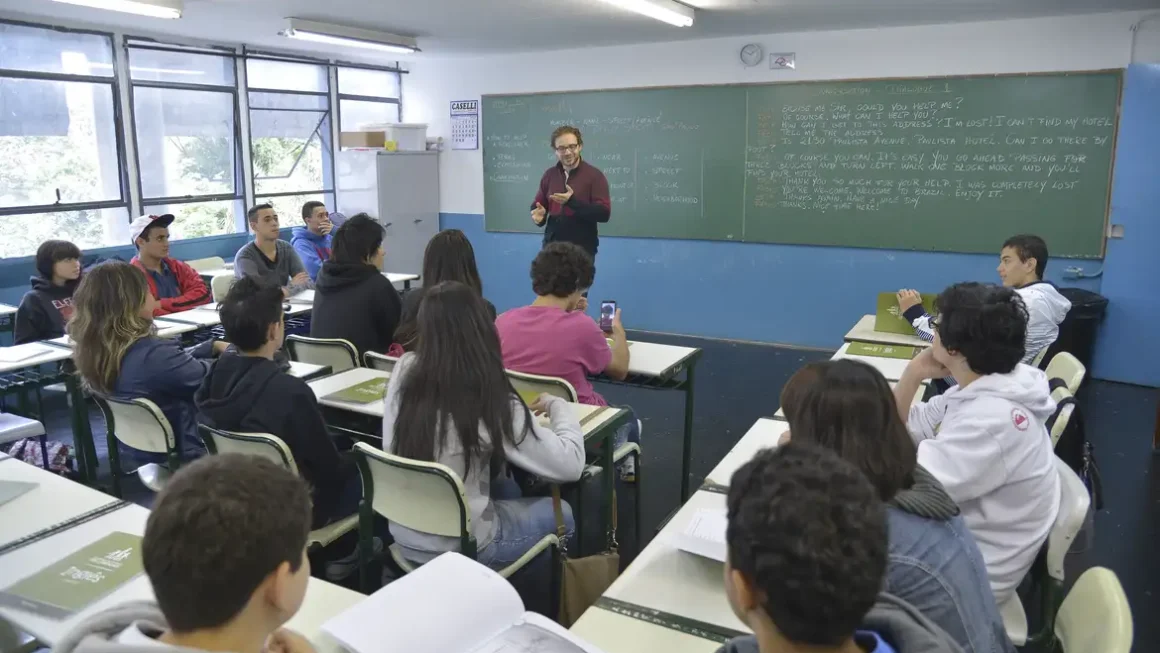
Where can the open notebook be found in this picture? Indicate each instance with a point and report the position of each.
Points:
(478, 612)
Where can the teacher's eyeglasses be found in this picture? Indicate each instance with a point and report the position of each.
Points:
(564, 149)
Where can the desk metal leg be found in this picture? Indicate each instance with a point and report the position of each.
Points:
(687, 456)
(607, 509)
(86, 451)
(406, 285)
(1156, 431)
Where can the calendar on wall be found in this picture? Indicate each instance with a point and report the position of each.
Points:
(465, 125)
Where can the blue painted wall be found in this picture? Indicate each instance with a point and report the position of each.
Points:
(771, 293)
(1126, 348)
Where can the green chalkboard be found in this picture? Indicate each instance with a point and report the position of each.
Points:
(943, 164)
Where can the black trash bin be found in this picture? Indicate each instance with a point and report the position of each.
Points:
(1077, 332)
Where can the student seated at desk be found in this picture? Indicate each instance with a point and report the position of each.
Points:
(450, 402)
(449, 257)
(225, 552)
(46, 308)
(248, 392)
(846, 406)
(554, 337)
(177, 286)
(352, 299)
(985, 439)
(271, 260)
(312, 241)
(118, 355)
(806, 556)
(1022, 263)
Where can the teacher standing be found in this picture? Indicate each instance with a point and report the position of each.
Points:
(573, 196)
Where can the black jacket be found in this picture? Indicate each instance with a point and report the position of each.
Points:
(355, 302)
(253, 395)
(43, 311)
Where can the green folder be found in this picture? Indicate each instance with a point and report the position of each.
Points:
(888, 319)
(881, 351)
(366, 392)
(70, 585)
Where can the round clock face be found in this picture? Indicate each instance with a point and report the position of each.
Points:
(751, 55)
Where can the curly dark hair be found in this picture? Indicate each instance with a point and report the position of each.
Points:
(567, 129)
(985, 323)
(218, 529)
(561, 269)
(808, 531)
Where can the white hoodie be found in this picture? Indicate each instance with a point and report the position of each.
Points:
(1046, 308)
(988, 446)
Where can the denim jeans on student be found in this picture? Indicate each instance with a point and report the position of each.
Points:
(520, 523)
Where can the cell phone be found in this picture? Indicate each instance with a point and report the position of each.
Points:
(607, 312)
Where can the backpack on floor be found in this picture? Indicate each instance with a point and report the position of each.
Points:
(1074, 448)
(60, 457)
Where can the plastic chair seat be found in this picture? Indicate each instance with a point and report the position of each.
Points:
(15, 427)
(1014, 620)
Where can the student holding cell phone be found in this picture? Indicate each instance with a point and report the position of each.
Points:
(554, 337)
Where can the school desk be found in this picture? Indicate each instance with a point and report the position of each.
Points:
(864, 331)
(54, 500)
(659, 367)
(398, 277)
(616, 632)
(891, 368)
(60, 354)
(323, 600)
(308, 371)
(674, 588)
(598, 423)
(762, 435)
(7, 317)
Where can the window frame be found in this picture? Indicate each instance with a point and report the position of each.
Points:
(331, 113)
(129, 43)
(119, 134)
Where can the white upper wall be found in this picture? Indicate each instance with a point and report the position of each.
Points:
(1092, 42)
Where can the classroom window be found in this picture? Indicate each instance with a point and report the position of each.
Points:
(289, 207)
(59, 138)
(87, 228)
(200, 219)
(184, 117)
(291, 145)
(367, 97)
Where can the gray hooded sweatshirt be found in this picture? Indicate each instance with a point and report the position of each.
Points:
(893, 620)
(101, 632)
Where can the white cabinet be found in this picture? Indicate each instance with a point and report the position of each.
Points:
(400, 190)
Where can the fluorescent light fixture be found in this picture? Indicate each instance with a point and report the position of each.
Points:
(666, 11)
(151, 8)
(308, 30)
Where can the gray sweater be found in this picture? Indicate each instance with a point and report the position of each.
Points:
(105, 632)
(251, 262)
(892, 619)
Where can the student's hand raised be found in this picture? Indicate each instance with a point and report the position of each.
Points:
(908, 299)
(925, 366)
(284, 640)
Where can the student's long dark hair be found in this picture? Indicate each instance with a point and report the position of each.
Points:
(848, 407)
(450, 257)
(457, 379)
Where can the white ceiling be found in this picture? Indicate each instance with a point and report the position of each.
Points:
(456, 27)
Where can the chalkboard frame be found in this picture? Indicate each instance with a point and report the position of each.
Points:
(1117, 73)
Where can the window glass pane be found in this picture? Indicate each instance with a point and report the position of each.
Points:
(200, 219)
(57, 137)
(184, 67)
(260, 100)
(185, 141)
(374, 83)
(356, 114)
(286, 75)
(87, 229)
(291, 151)
(289, 207)
(49, 51)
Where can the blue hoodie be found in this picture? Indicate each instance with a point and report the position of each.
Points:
(312, 249)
